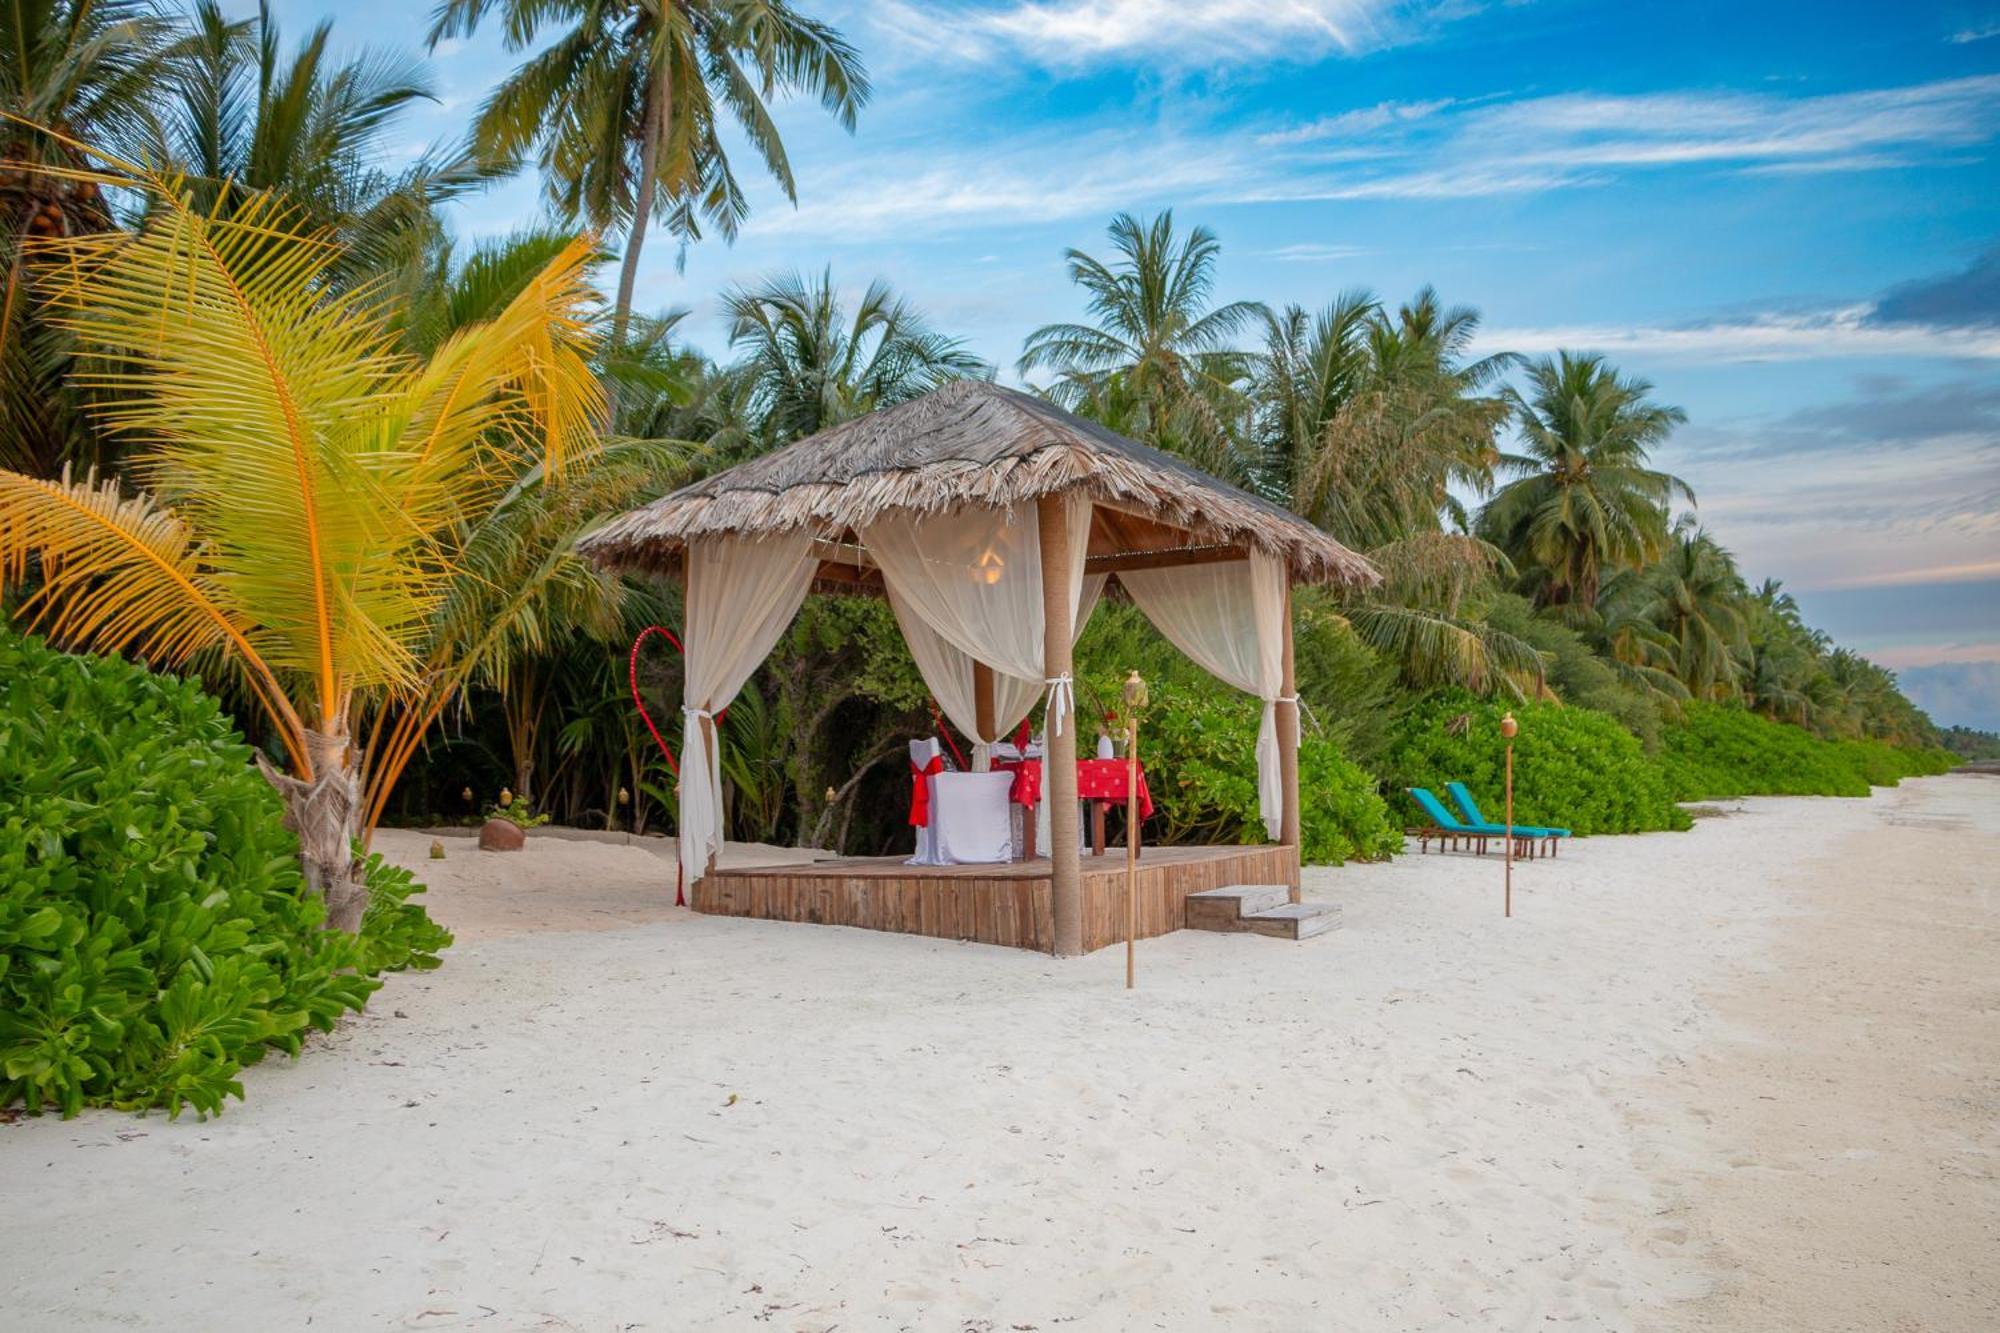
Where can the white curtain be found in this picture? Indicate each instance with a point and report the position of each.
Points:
(1230, 618)
(948, 673)
(741, 594)
(974, 577)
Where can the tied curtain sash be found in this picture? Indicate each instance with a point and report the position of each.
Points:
(1230, 619)
(741, 594)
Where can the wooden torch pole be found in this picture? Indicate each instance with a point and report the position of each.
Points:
(1135, 699)
(1508, 726)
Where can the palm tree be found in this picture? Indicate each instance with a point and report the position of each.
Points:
(308, 483)
(1312, 369)
(1157, 347)
(1695, 600)
(79, 70)
(1367, 422)
(1363, 423)
(1583, 502)
(625, 107)
(807, 364)
(237, 117)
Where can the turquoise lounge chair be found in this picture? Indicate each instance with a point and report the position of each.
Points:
(1470, 809)
(1448, 829)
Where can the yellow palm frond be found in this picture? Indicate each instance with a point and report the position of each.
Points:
(253, 383)
(524, 378)
(117, 574)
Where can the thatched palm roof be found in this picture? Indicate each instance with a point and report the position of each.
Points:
(973, 443)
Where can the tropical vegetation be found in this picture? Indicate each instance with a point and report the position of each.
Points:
(155, 931)
(263, 417)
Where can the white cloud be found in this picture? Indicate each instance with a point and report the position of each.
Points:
(1833, 510)
(1976, 571)
(1966, 36)
(1572, 140)
(1845, 332)
(1434, 150)
(1314, 254)
(1028, 180)
(1361, 120)
(1057, 33)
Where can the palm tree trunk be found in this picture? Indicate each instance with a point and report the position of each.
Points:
(326, 814)
(659, 106)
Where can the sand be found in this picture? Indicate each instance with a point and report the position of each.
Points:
(1745, 1078)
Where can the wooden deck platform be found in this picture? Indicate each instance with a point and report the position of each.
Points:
(991, 904)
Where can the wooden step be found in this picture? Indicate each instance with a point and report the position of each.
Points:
(1225, 908)
(1293, 921)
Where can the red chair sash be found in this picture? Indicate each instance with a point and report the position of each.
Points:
(920, 790)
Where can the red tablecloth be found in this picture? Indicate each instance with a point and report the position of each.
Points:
(1027, 788)
(1104, 780)
(1096, 780)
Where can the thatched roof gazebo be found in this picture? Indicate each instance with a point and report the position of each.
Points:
(953, 506)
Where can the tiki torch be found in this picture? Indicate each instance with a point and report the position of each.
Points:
(1508, 726)
(1135, 700)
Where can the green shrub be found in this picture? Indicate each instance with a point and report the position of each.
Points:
(1573, 768)
(1199, 743)
(1885, 765)
(154, 933)
(1724, 750)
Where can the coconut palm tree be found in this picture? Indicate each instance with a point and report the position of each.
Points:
(308, 485)
(236, 116)
(808, 364)
(624, 103)
(1368, 421)
(1313, 367)
(1583, 503)
(1363, 422)
(84, 71)
(1696, 598)
(1156, 347)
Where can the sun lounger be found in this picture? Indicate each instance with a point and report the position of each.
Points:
(1468, 807)
(1448, 829)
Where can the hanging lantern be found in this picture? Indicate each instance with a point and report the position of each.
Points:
(624, 797)
(991, 566)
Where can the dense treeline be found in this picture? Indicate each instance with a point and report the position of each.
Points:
(1532, 555)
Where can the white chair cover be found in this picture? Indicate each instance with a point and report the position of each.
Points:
(971, 822)
(741, 594)
(1230, 618)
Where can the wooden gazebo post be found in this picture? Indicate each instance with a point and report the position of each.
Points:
(982, 702)
(1289, 826)
(1066, 877)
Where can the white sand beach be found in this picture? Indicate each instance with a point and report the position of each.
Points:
(1746, 1077)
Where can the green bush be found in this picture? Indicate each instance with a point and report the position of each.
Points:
(1885, 765)
(1199, 743)
(1573, 768)
(1724, 750)
(154, 933)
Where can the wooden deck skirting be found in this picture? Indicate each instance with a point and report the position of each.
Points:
(989, 904)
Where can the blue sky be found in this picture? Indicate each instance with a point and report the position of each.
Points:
(1784, 215)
